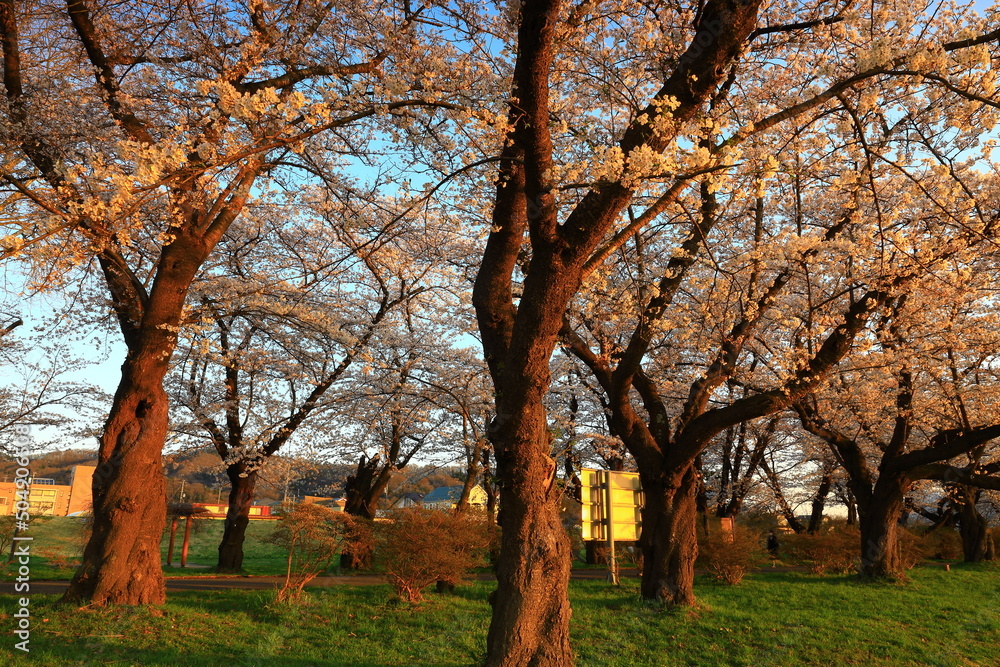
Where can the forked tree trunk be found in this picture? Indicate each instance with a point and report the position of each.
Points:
(880, 549)
(530, 623)
(243, 486)
(359, 488)
(121, 562)
(977, 539)
(668, 541)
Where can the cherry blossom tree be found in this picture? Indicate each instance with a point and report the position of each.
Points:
(43, 387)
(138, 133)
(663, 377)
(519, 332)
(920, 405)
(275, 324)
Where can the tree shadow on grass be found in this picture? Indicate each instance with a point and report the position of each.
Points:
(803, 578)
(222, 602)
(209, 655)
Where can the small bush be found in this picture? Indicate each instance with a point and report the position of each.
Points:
(911, 549)
(359, 545)
(836, 549)
(418, 547)
(943, 544)
(7, 530)
(627, 553)
(313, 536)
(730, 556)
(58, 560)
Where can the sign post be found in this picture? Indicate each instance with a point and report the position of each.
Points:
(611, 510)
(609, 523)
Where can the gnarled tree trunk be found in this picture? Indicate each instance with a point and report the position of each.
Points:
(361, 489)
(121, 562)
(880, 549)
(819, 500)
(243, 485)
(669, 541)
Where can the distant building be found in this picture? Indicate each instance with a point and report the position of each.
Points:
(217, 511)
(46, 498)
(410, 500)
(447, 497)
(81, 482)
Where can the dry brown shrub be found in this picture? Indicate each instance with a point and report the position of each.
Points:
(359, 543)
(313, 536)
(418, 547)
(729, 556)
(58, 559)
(601, 555)
(836, 549)
(627, 553)
(7, 532)
(911, 549)
(943, 544)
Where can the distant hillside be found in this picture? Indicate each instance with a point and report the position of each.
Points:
(201, 475)
(54, 465)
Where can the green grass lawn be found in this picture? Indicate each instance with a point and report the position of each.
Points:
(58, 543)
(787, 619)
(259, 556)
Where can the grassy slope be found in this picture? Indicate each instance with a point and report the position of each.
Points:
(787, 619)
(62, 537)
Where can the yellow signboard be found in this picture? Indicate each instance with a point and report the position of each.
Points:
(613, 498)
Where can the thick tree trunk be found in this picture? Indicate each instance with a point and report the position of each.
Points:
(358, 488)
(121, 562)
(880, 553)
(668, 541)
(243, 485)
(530, 624)
(977, 539)
(819, 502)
